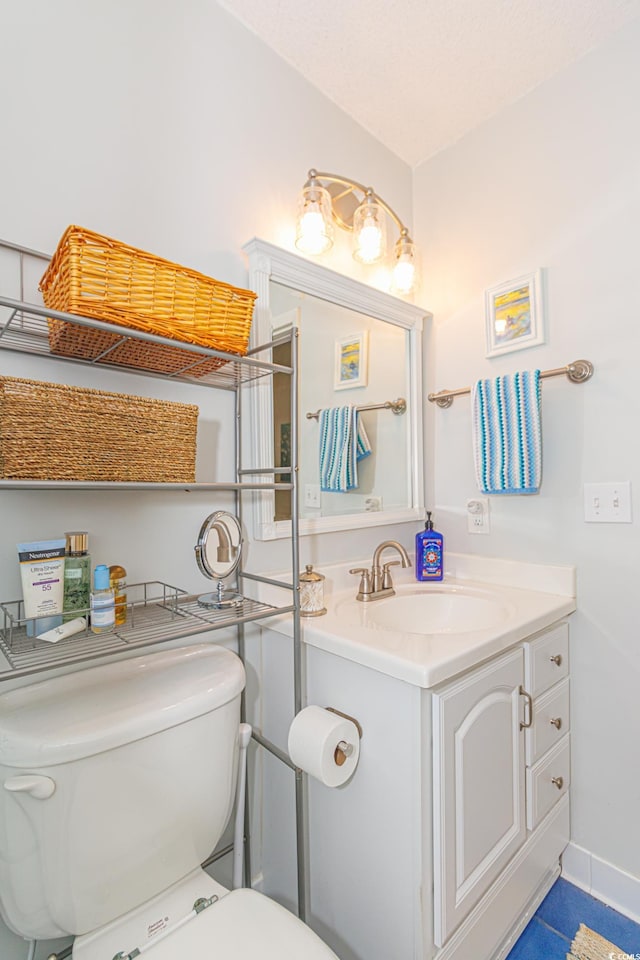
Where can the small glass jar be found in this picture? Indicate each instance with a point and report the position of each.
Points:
(311, 593)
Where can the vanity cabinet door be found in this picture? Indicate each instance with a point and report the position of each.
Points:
(478, 776)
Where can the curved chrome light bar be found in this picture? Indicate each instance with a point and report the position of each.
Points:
(328, 197)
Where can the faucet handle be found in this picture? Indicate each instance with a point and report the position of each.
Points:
(387, 582)
(364, 589)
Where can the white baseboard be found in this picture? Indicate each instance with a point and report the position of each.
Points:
(602, 880)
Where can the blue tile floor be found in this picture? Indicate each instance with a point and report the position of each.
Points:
(549, 934)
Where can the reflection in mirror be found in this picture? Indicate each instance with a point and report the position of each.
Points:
(359, 350)
(346, 358)
(218, 554)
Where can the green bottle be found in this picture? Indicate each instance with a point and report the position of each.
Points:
(77, 576)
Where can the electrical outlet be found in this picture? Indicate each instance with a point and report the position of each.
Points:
(607, 502)
(478, 515)
(312, 495)
(372, 504)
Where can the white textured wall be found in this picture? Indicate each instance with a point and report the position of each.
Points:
(553, 182)
(171, 127)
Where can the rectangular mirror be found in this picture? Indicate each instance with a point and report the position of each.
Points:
(357, 346)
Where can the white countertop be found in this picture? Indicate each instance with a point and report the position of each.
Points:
(531, 598)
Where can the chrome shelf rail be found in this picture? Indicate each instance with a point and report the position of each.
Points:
(158, 614)
(105, 485)
(24, 328)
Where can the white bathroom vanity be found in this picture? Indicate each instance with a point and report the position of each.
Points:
(450, 831)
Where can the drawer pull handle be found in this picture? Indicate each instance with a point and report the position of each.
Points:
(557, 659)
(556, 722)
(558, 781)
(525, 724)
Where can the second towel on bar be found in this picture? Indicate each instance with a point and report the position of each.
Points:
(343, 442)
(507, 433)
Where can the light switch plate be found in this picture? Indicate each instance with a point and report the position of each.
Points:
(312, 495)
(608, 502)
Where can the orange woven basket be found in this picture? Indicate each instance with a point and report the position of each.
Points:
(104, 279)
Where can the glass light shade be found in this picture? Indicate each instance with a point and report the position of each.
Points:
(369, 232)
(405, 269)
(314, 228)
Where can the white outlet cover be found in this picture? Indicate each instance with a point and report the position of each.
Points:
(478, 515)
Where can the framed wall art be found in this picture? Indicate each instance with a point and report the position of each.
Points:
(352, 361)
(514, 315)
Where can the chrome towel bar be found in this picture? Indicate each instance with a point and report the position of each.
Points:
(397, 406)
(577, 372)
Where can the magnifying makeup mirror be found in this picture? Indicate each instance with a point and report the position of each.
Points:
(218, 553)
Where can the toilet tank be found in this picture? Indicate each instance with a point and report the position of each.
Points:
(138, 764)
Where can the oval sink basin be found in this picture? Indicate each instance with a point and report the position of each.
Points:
(436, 610)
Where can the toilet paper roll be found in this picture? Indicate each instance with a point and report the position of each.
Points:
(325, 745)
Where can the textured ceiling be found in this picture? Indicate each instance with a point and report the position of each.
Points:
(419, 74)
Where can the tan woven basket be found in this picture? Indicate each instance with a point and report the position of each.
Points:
(54, 432)
(103, 279)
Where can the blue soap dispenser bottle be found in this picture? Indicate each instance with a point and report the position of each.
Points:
(429, 552)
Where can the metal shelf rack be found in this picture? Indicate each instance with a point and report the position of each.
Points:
(157, 613)
(173, 615)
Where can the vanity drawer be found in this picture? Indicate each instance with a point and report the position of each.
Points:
(550, 721)
(546, 660)
(547, 781)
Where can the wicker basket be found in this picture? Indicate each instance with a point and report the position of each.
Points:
(54, 432)
(101, 278)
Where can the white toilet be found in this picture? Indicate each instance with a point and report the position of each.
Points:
(116, 783)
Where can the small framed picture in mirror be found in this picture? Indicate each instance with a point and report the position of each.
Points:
(352, 361)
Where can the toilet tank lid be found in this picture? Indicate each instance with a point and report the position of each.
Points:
(81, 714)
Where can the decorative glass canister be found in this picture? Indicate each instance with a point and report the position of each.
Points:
(311, 593)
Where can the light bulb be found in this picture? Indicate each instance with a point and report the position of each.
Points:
(404, 275)
(314, 229)
(405, 271)
(369, 242)
(369, 231)
(313, 236)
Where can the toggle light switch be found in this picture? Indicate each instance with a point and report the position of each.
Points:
(608, 502)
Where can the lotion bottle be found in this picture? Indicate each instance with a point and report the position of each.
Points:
(429, 552)
(103, 601)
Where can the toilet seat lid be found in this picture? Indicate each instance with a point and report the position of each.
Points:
(243, 925)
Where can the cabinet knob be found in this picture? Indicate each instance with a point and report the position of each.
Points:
(558, 781)
(556, 722)
(557, 659)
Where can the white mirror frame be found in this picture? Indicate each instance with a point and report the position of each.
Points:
(270, 263)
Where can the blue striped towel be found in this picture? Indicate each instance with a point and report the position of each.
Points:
(507, 434)
(343, 442)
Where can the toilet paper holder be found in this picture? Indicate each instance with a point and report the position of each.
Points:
(344, 749)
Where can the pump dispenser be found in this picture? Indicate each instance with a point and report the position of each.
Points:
(429, 552)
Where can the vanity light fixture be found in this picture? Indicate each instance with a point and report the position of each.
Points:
(327, 197)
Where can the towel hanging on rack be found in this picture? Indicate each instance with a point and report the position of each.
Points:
(343, 442)
(507, 433)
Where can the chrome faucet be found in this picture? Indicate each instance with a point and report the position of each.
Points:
(377, 583)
